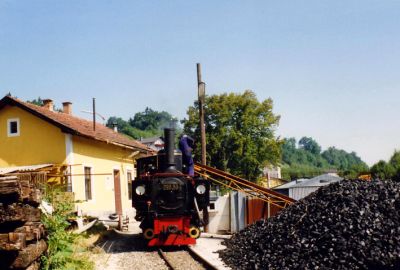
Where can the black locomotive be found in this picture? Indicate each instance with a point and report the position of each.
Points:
(168, 201)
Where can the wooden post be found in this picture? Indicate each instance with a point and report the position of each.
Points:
(201, 87)
(201, 96)
(94, 114)
(268, 186)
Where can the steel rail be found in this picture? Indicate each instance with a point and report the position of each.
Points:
(200, 259)
(204, 263)
(165, 258)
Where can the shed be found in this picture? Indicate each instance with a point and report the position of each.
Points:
(301, 188)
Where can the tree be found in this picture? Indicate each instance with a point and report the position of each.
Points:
(310, 145)
(38, 101)
(382, 170)
(308, 161)
(148, 123)
(125, 128)
(240, 133)
(152, 120)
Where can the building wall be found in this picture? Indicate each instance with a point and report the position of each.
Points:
(273, 182)
(219, 217)
(272, 172)
(38, 143)
(103, 159)
(298, 193)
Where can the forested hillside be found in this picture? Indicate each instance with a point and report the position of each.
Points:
(305, 159)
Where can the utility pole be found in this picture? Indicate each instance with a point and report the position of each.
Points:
(201, 95)
(94, 114)
(201, 86)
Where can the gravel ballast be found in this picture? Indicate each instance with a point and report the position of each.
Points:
(351, 224)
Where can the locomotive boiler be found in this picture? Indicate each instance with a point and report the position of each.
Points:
(168, 201)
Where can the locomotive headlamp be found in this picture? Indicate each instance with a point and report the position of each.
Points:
(140, 190)
(201, 189)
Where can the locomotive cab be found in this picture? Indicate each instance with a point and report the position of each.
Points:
(168, 202)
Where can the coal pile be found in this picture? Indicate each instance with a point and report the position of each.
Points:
(351, 224)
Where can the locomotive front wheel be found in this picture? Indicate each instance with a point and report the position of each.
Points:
(148, 234)
(194, 232)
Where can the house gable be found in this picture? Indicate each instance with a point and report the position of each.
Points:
(37, 141)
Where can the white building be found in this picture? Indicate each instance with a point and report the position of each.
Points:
(155, 143)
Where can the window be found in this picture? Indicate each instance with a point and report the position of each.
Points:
(13, 127)
(129, 177)
(88, 183)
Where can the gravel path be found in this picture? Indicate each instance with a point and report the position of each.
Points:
(120, 252)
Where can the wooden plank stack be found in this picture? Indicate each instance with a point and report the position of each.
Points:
(21, 232)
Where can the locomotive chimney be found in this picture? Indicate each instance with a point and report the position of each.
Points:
(169, 136)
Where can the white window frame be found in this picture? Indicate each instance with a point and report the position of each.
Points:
(9, 134)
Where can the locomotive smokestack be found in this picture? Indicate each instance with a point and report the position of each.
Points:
(169, 145)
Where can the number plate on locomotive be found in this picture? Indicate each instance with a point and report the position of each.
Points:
(170, 186)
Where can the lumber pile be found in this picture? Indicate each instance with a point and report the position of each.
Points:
(351, 224)
(21, 232)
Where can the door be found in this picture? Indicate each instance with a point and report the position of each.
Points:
(117, 192)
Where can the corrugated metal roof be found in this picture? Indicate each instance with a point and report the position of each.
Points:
(150, 140)
(320, 180)
(28, 168)
(291, 184)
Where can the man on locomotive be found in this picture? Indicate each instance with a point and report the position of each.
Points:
(186, 145)
(167, 200)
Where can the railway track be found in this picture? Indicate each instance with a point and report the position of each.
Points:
(183, 259)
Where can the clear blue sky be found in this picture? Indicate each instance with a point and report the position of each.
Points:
(331, 67)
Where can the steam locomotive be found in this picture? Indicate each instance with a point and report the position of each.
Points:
(167, 200)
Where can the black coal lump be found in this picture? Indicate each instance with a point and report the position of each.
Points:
(351, 224)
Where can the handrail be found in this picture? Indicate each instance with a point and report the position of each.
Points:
(236, 183)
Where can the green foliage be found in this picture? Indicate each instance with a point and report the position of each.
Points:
(62, 252)
(240, 133)
(125, 128)
(152, 120)
(387, 170)
(145, 124)
(297, 171)
(395, 163)
(310, 145)
(37, 101)
(306, 160)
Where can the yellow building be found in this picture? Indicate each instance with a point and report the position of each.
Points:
(271, 182)
(98, 162)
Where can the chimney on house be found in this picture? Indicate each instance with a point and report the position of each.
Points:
(115, 126)
(67, 107)
(48, 104)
